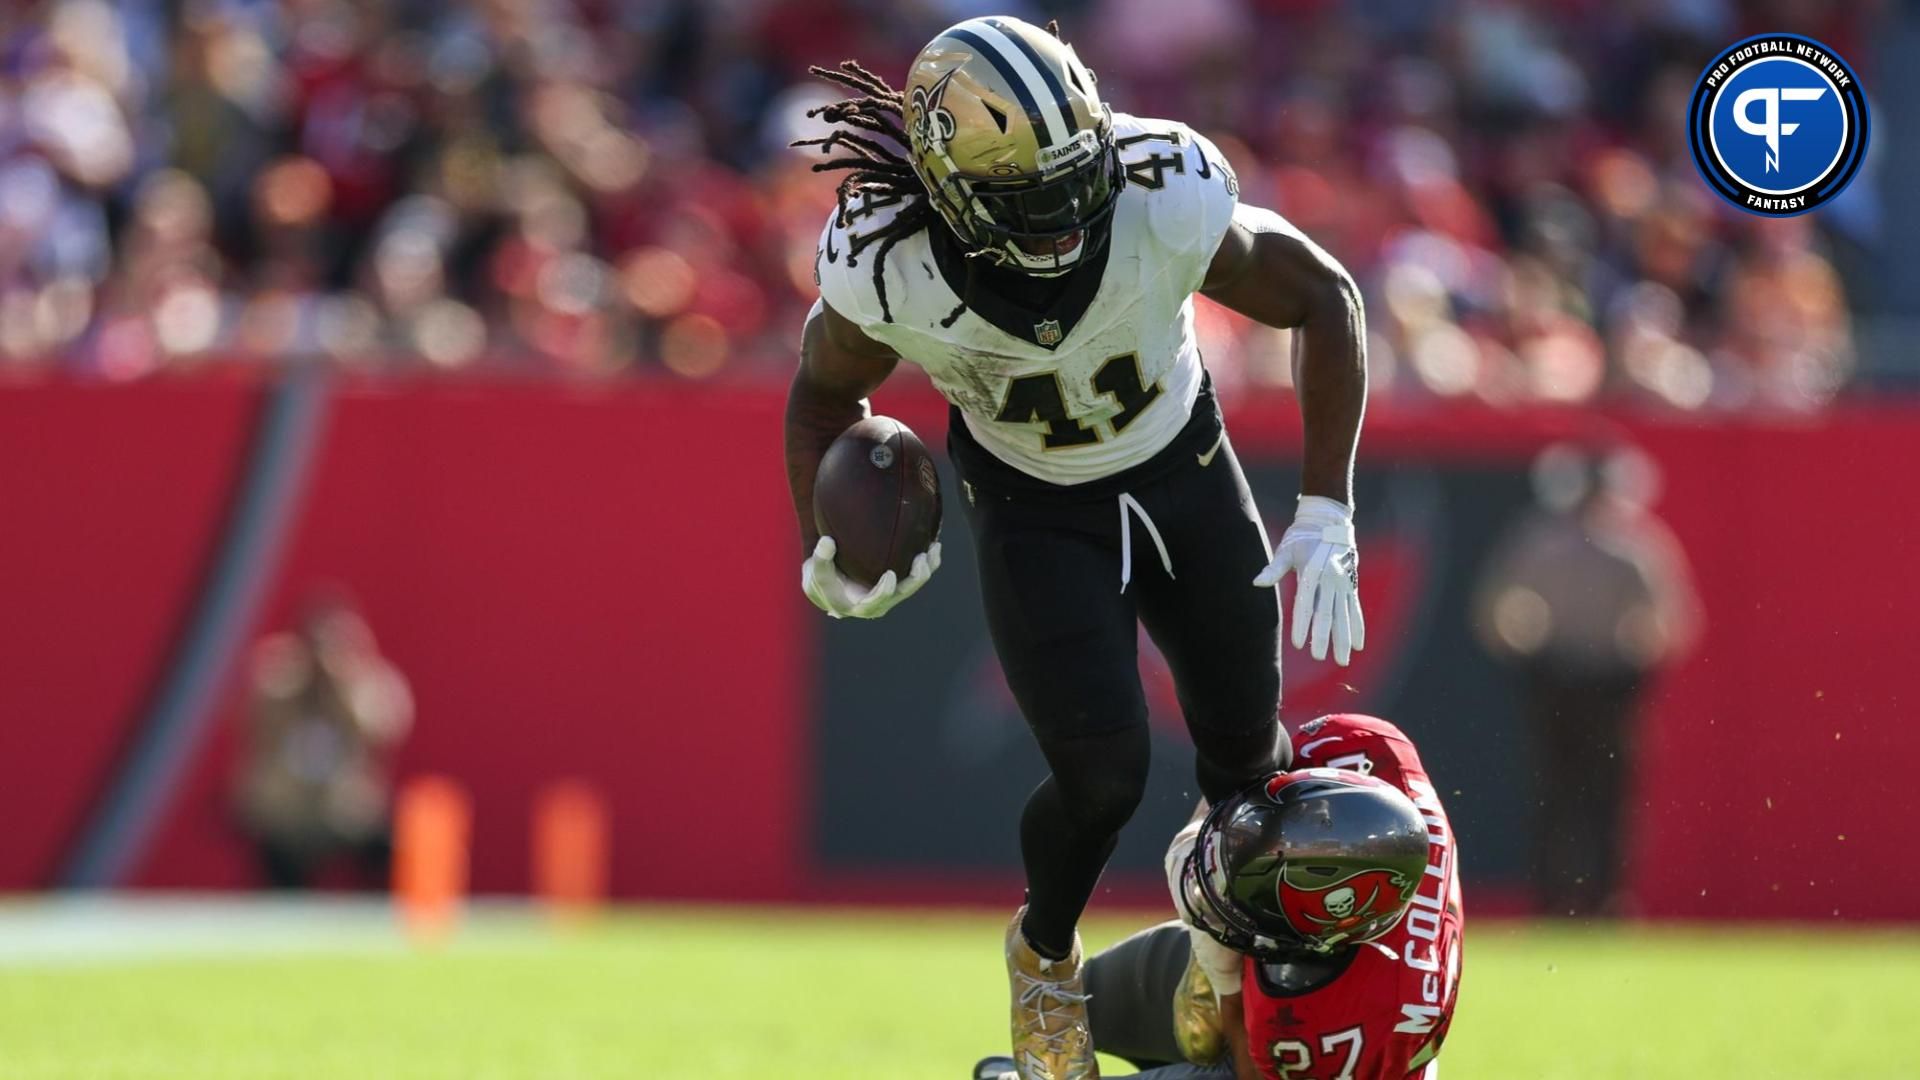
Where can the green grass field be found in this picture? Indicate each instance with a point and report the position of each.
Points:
(872, 996)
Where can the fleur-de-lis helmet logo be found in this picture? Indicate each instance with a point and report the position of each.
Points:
(932, 123)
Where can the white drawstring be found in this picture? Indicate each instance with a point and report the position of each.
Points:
(1129, 506)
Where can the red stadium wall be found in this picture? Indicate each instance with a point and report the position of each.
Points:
(109, 502)
(1776, 780)
(599, 582)
(578, 582)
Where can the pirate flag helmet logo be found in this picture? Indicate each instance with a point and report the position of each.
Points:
(1307, 861)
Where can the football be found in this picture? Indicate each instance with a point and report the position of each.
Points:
(877, 493)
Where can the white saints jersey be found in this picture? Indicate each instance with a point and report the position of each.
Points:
(1104, 378)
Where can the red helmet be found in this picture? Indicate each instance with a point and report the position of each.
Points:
(1306, 861)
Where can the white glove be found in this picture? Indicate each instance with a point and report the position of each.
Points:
(1318, 547)
(838, 597)
(1222, 965)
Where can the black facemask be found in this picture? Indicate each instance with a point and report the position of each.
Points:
(1036, 215)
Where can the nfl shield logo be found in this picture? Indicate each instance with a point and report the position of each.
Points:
(1047, 333)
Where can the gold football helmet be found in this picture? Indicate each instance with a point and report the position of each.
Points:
(1013, 144)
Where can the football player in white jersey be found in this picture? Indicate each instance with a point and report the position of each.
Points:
(1037, 254)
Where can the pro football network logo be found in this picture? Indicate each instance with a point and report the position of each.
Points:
(1778, 124)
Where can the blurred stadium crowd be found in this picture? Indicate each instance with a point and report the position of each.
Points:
(601, 187)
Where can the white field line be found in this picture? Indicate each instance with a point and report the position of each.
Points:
(60, 930)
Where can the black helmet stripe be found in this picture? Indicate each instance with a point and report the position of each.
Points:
(1023, 89)
(1054, 86)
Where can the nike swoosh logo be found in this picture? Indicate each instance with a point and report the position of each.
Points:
(832, 255)
(1308, 748)
(1206, 459)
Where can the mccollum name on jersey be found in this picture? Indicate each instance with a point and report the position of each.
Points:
(1385, 1017)
(1426, 922)
(1105, 377)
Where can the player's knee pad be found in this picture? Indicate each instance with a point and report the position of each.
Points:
(1225, 762)
(1249, 702)
(1102, 778)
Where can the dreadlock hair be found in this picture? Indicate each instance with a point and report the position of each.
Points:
(875, 168)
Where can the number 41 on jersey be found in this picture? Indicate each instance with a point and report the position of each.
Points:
(1040, 398)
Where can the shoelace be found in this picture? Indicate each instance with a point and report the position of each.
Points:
(1034, 993)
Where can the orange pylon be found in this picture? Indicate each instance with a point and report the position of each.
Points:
(570, 849)
(431, 835)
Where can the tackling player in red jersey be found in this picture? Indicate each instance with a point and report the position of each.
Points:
(1320, 930)
(1384, 1006)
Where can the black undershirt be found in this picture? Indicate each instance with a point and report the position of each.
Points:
(1018, 304)
(1304, 975)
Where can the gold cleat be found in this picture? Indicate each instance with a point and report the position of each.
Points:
(1051, 1039)
(1196, 1017)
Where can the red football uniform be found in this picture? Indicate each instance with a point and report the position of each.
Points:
(1383, 1018)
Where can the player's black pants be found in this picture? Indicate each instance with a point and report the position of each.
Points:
(1584, 740)
(1051, 563)
(1131, 1005)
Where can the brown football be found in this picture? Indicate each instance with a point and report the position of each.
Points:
(877, 494)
